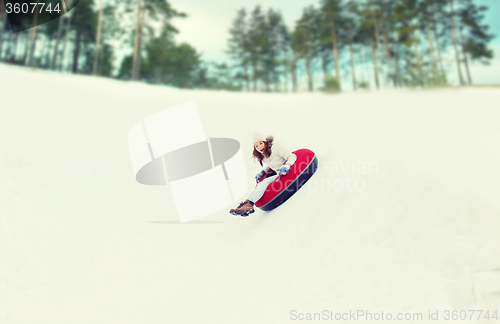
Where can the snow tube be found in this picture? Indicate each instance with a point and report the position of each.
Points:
(279, 191)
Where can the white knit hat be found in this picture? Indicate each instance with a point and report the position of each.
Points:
(257, 138)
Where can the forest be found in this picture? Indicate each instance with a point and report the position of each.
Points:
(373, 44)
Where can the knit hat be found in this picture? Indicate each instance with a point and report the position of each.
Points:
(257, 138)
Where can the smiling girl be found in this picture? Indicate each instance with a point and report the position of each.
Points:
(276, 157)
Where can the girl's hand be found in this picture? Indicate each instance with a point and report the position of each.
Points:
(284, 169)
(260, 175)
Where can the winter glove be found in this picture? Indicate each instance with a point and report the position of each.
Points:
(260, 175)
(284, 169)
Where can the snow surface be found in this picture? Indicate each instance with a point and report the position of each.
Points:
(82, 242)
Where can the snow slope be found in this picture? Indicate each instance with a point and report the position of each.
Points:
(402, 216)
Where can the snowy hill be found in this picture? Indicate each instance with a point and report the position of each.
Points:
(401, 217)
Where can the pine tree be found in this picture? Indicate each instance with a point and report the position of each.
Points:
(476, 39)
(455, 41)
(149, 10)
(438, 17)
(97, 38)
(331, 10)
(239, 45)
(297, 41)
(257, 39)
(274, 48)
(110, 33)
(84, 24)
(367, 36)
(351, 19)
(66, 34)
(3, 22)
(306, 42)
(60, 25)
(407, 27)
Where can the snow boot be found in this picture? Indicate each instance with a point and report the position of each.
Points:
(244, 209)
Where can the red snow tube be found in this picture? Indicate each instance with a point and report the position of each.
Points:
(279, 191)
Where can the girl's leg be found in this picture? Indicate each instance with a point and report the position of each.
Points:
(259, 190)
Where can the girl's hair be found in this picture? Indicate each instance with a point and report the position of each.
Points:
(268, 143)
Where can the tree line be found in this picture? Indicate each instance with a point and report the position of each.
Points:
(129, 40)
(400, 43)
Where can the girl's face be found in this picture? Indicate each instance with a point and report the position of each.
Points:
(259, 146)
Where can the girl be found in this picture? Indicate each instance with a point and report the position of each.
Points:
(277, 158)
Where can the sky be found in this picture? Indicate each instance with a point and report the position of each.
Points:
(207, 27)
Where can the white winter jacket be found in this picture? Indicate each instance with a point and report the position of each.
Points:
(279, 156)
